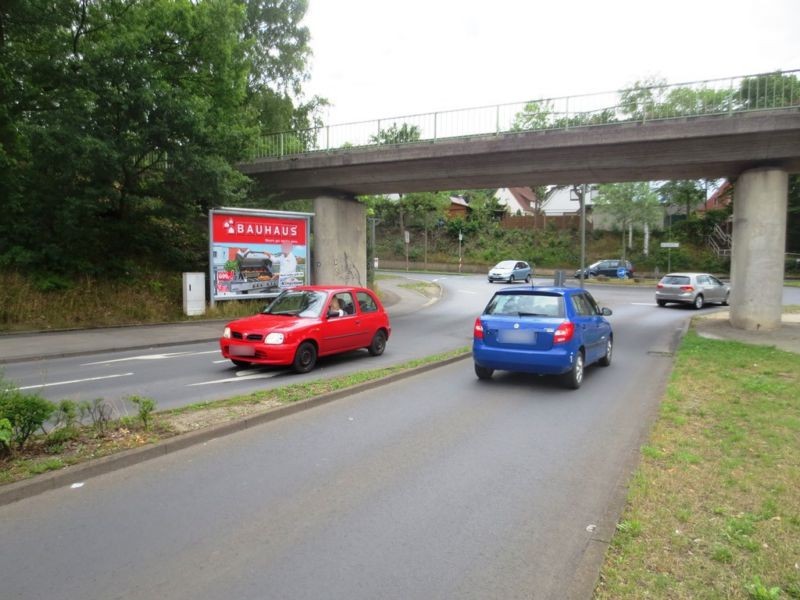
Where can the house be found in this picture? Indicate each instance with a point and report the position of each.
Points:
(518, 201)
(459, 207)
(720, 199)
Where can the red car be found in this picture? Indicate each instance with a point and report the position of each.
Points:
(306, 322)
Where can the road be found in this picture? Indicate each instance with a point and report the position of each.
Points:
(182, 374)
(439, 486)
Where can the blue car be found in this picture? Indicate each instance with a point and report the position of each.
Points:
(542, 330)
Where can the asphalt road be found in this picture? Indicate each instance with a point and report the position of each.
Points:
(178, 375)
(439, 486)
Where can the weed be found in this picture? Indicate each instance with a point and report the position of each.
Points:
(146, 407)
(758, 591)
(98, 410)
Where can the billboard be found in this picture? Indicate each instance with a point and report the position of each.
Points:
(257, 253)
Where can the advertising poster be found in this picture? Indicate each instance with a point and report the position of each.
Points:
(257, 253)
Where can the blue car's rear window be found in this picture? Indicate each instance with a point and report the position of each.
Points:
(530, 305)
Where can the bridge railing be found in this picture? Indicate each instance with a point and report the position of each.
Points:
(728, 96)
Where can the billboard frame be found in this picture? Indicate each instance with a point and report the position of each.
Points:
(271, 284)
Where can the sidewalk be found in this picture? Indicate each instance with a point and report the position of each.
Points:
(39, 345)
(717, 326)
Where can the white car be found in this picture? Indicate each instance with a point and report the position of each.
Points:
(510, 271)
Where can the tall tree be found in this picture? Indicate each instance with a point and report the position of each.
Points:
(685, 194)
(629, 204)
(120, 125)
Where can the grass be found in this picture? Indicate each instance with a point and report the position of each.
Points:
(42, 454)
(26, 306)
(714, 508)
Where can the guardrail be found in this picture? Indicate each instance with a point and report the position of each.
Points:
(727, 96)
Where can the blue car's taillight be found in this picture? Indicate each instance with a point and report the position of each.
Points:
(564, 332)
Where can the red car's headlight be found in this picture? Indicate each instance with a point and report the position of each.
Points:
(274, 338)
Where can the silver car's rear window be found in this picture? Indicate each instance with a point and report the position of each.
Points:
(676, 280)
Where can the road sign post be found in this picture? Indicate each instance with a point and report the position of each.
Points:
(669, 246)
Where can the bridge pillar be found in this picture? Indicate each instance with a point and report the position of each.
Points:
(759, 243)
(340, 241)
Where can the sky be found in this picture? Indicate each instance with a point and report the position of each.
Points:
(388, 58)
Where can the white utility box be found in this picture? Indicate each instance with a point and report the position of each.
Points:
(194, 293)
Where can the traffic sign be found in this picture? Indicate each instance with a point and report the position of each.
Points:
(622, 272)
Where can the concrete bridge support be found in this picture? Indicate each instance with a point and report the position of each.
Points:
(759, 243)
(340, 241)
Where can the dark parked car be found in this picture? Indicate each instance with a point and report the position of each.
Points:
(542, 330)
(691, 288)
(305, 322)
(608, 268)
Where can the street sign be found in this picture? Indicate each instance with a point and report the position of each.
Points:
(670, 245)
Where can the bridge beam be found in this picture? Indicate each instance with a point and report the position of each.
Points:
(340, 241)
(759, 243)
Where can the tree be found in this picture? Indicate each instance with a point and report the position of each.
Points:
(122, 122)
(685, 194)
(629, 204)
(396, 135)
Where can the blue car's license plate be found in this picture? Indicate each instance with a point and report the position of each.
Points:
(516, 336)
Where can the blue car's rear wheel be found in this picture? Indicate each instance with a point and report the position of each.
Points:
(574, 377)
(483, 372)
(606, 360)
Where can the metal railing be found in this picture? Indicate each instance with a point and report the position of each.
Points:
(765, 91)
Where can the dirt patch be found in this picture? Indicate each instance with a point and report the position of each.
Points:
(201, 419)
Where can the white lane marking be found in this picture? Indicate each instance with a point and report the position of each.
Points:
(643, 303)
(237, 378)
(468, 292)
(44, 385)
(150, 357)
(219, 362)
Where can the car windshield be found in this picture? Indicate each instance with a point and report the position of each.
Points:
(506, 264)
(526, 305)
(297, 304)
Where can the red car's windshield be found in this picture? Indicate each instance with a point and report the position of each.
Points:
(297, 304)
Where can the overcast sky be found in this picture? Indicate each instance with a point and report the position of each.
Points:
(387, 58)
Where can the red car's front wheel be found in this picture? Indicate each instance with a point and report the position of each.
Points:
(305, 358)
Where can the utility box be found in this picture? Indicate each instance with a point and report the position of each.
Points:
(194, 294)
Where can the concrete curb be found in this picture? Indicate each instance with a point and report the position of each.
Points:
(39, 484)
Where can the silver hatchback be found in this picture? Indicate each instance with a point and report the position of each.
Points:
(692, 288)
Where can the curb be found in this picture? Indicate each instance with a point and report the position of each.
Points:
(39, 484)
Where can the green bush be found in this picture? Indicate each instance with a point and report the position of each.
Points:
(146, 407)
(6, 433)
(25, 412)
(66, 414)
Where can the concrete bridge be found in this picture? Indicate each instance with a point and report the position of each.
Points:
(758, 148)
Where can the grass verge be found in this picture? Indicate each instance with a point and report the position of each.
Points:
(714, 508)
(80, 444)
